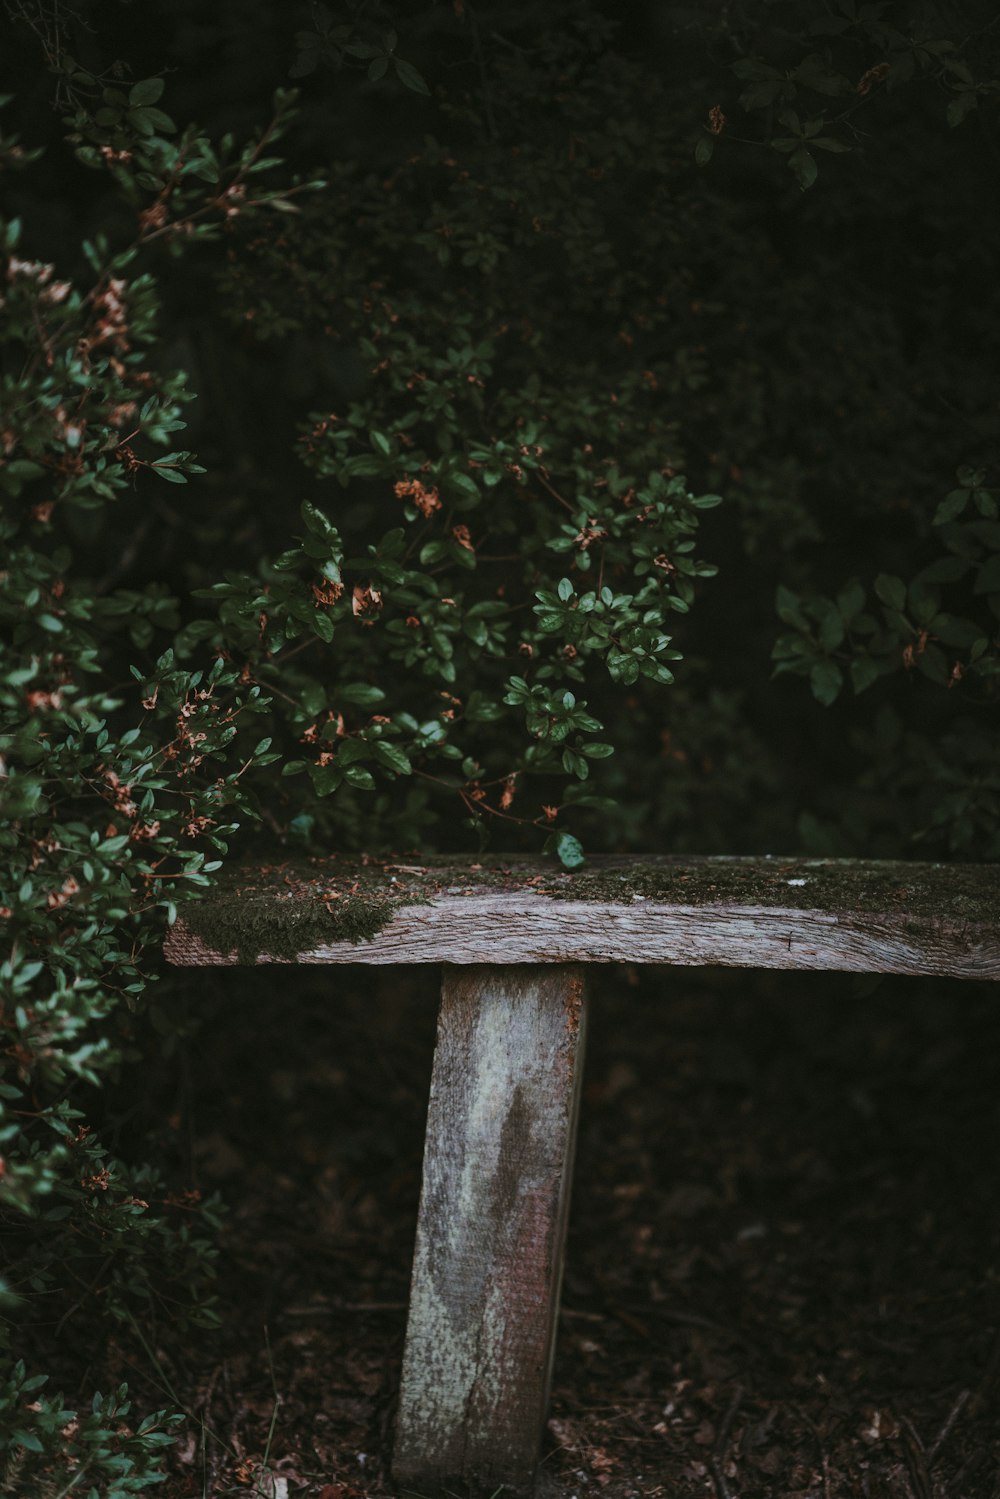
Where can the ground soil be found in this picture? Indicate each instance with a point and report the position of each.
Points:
(783, 1271)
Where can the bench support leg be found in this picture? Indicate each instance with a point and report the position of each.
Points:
(488, 1258)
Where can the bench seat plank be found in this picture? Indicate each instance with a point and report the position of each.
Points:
(852, 915)
(488, 1258)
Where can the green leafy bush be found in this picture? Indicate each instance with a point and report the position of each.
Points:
(100, 1453)
(114, 795)
(907, 628)
(484, 460)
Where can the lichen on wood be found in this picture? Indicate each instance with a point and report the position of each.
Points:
(488, 1257)
(286, 910)
(281, 910)
(969, 892)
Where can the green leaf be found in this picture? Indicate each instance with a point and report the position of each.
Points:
(146, 91)
(831, 630)
(364, 466)
(864, 672)
(409, 77)
(850, 600)
(957, 110)
(569, 850)
(788, 607)
(802, 164)
(704, 149)
(923, 601)
(26, 1439)
(891, 591)
(464, 483)
(951, 630)
(325, 778)
(318, 522)
(393, 757)
(363, 694)
(322, 626)
(148, 121)
(574, 764)
(826, 680)
(951, 506)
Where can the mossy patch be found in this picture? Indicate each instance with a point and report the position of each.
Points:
(955, 892)
(282, 910)
(285, 909)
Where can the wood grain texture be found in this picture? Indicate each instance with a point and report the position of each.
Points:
(477, 925)
(488, 1256)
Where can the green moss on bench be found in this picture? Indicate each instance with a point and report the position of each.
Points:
(290, 907)
(925, 891)
(286, 909)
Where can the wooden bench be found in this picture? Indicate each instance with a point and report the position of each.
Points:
(515, 939)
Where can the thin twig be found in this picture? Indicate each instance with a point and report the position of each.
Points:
(105, 1266)
(78, 1476)
(916, 1459)
(946, 1429)
(275, 1408)
(543, 480)
(718, 1453)
(164, 1384)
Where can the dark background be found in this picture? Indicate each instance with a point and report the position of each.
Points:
(784, 1212)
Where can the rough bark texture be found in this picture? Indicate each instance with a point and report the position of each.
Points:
(488, 1257)
(527, 927)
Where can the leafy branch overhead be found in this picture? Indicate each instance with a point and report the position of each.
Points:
(909, 628)
(358, 42)
(825, 96)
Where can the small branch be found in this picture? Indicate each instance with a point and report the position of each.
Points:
(296, 650)
(102, 1271)
(718, 1453)
(543, 478)
(946, 1429)
(916, 1459)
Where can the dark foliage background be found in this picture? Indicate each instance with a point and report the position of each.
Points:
(479, 329)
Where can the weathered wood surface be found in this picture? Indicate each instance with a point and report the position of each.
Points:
(488, 1257)
(852, 915)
